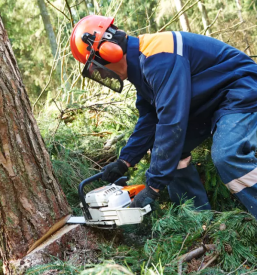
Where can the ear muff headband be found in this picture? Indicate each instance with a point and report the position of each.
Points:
(110, 52)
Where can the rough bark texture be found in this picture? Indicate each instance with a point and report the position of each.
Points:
(31, 200)
(183, 18)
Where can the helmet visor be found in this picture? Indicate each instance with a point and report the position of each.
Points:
(102, 75)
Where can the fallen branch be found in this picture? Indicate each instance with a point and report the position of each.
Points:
(194, 254)
(112, 141)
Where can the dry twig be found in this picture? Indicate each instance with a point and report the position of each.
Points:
(237, 268)
(183, 243)
(215, 19)
(210, 261)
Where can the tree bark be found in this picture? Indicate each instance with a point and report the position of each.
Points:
(205, 18)
(183, 18)
(31, 200)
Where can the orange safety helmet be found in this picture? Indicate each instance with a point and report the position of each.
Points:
(90, 33)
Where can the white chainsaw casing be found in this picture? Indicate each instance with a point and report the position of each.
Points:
(108, 206)
(111, 216)
(109, 196)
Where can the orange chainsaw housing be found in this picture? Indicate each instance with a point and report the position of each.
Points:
(133, 190)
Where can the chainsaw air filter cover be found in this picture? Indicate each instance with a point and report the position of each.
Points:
(108, 196)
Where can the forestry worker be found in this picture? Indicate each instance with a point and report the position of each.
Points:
(189, 87)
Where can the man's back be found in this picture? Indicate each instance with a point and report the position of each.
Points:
(223, 79)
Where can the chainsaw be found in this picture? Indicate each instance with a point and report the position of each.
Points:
(107, 206)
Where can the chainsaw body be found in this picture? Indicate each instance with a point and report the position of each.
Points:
(107, 206)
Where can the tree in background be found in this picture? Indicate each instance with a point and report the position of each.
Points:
(31, 200)
(183, 19)
(205, 18)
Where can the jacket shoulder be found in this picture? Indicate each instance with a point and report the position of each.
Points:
(151, 44)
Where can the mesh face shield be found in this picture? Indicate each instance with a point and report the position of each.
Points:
(101, 74)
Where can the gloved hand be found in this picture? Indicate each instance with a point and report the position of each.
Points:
(114, 170)
(146, 196)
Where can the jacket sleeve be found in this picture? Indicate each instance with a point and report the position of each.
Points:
(170, 78)
(142, 138)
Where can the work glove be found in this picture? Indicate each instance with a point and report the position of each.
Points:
(146, 196)
(114, 170)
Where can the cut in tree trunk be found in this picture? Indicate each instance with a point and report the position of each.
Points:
(31, 200)
(183, 18)
(205, 18)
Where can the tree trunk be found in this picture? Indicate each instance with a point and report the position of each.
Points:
(52, 40)
(48, 26)
(31, 200)
(183, 18)
(205, 18)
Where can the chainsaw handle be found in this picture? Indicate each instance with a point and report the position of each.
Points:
(82, 194)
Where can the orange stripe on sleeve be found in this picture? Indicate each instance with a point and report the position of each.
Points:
(150, 44)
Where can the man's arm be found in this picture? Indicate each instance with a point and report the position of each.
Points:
(169, 76)
(143, 136)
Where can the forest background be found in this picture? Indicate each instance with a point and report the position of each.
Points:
(77, 117)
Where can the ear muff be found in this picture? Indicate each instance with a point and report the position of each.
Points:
(111, 52)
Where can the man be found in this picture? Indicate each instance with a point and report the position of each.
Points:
(189, 87)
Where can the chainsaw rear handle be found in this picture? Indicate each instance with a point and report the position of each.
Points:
(82, 194)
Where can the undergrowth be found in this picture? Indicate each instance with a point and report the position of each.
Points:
(178, 231)
(156, 245)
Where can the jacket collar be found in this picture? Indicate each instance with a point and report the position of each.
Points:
(134, 72)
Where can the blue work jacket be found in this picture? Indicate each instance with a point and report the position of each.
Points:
(185, 82)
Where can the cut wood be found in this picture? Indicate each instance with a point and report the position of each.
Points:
(67, 240)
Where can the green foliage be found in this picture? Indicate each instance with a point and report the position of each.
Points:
(240, 233)
(219, 196)
(77, 121)
(1, 267)
(29, 42)
(181, 228)
(110, 268)
(63, 267)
